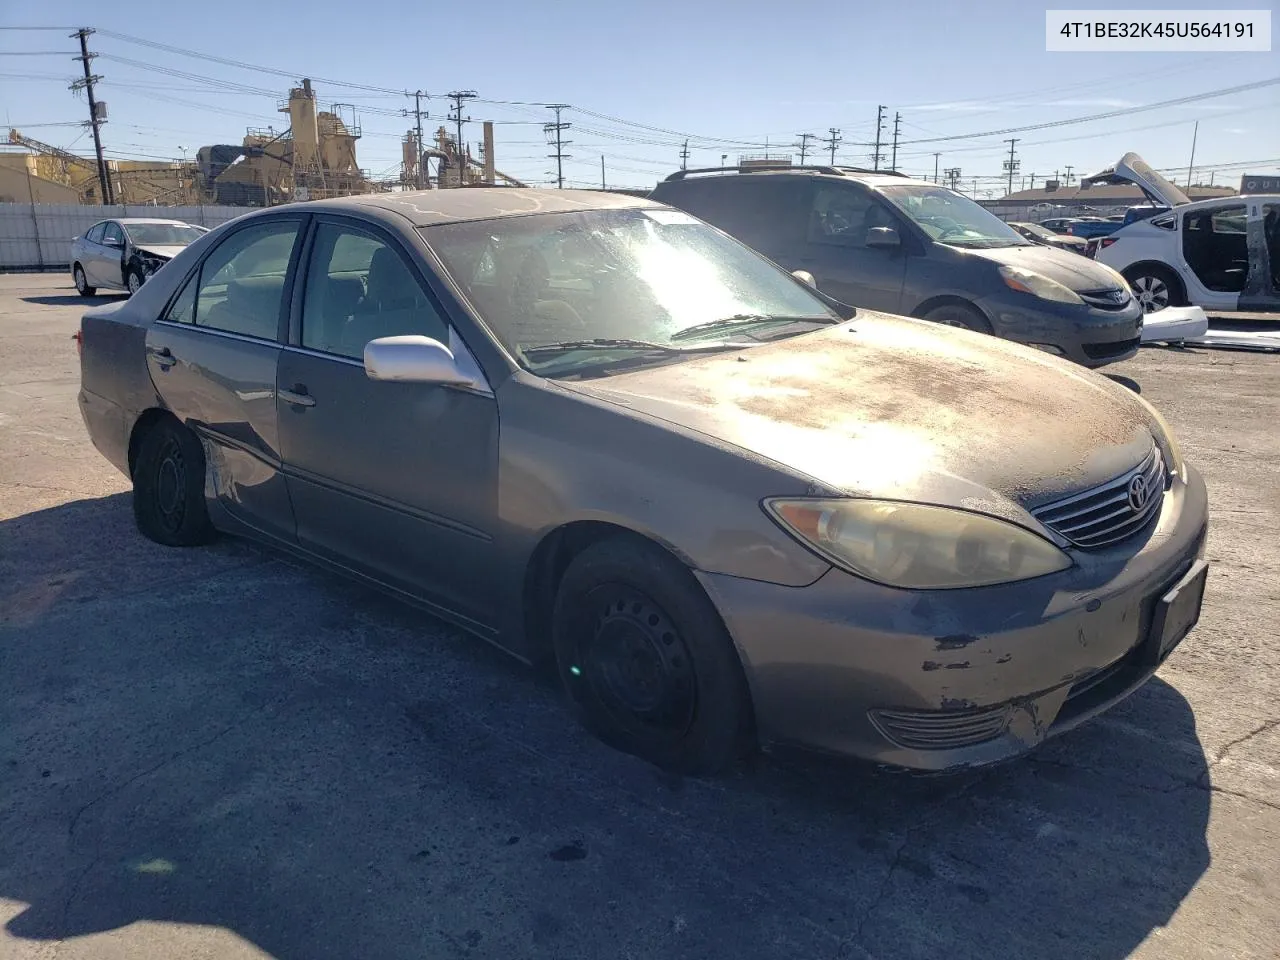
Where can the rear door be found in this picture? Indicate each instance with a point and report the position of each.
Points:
(395, 480)
(213, 358)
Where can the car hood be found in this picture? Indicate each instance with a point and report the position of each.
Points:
(1067, 268)
(157, 250)
(1133, 169)
(891, 407)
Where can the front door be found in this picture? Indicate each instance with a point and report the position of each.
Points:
(394, 480)
(100, 258)
(213, 359)
(836, 251)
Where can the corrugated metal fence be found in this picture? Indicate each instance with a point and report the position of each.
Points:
(38, 236)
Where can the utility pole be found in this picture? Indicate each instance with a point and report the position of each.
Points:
(90, 78)
(935, 166)
(897, 123)
(875, 157)
(832, 142)
(804, 145)
(418, 115)
(684, 156)
(602, 186)
(1033, 181)
(1011, 165)
(459, 97)
(1191, 164)
(1069, 169)
(558, 129)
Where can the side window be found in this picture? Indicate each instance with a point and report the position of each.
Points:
(183, 308)
(842, 215)
(242, 280)
(1229, 219)
(359, 289)
(95, 233)
(113, 234)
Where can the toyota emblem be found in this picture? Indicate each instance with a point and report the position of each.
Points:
(1139, 493)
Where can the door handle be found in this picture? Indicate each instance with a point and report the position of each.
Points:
(164, 357)
(298, 396)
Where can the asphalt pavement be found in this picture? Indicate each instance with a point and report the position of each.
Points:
(219, 752)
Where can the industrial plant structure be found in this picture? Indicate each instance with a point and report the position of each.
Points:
(312, 158)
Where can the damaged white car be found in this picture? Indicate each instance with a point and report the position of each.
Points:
(1221, 254)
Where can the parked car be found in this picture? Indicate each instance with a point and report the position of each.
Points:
(1222, 254)
(1088, 227)
(122, 254)
(591, 428)
(1038, 234)
(1057, 224)
(888, 242)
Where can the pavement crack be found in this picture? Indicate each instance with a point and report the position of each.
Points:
(1243, 796)
(172, 758)
(1244, 738)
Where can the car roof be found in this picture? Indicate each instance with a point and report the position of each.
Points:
(1234, 198)
(870, 178)
(424, 208)
(128, 220)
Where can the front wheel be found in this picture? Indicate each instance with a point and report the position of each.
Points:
(135, 280)
(959, 315)
(646, 660)
(1155, 287)
(82, 282)
(168, 487)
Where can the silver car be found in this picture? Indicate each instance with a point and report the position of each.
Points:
(593, 429)
(122, 254)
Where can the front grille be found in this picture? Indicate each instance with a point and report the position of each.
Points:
(942, 729)
(1100, 351)
(1111, 299)
(1109, 513)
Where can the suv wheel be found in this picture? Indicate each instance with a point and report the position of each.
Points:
(1155, 287)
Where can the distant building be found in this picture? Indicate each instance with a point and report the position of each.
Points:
(1109, 195)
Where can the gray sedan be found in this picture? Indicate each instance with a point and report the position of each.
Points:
(122, 254)
(593, 430)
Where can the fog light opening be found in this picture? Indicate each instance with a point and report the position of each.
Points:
(1047, 348)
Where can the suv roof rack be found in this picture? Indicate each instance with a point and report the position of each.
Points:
(757, 167)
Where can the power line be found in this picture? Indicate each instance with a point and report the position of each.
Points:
(1127, 111)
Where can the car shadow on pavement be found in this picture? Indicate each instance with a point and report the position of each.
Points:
(222, 737)
(75, 300)
(1127, 382)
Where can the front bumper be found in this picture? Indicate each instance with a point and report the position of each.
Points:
(1085, 334)
(934, 680)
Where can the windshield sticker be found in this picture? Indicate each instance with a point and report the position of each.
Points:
(670, 217)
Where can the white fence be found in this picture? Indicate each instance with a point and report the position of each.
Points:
(38, 236)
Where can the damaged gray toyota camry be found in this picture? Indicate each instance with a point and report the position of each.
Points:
(598, 432)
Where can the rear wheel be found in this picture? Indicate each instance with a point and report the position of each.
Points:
(82, 282)
(959, 315)
(646, 660)
(1155, 287)
(168, 487)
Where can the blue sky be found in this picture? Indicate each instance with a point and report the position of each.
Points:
(732, 75)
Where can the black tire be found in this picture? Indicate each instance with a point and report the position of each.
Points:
(646, 661)
(959, 315)
(82, 282)
(134, 280)
(1155, 287)
(168, 487)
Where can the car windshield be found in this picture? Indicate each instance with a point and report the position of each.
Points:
(163, 234)
(950, 218)
(573, 292)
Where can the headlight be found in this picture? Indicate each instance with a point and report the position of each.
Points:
(1167, 440)
(1038, 285)
(917, 546)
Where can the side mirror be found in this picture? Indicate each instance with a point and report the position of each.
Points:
(804, 276)
(883, 237)
(413, 359)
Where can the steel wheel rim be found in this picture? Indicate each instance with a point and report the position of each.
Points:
(171, 483)
(1152, 293)
(637, 665)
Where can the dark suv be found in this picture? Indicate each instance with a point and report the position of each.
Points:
(887, 242)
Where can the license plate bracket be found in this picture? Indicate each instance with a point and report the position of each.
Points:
(1176, 612)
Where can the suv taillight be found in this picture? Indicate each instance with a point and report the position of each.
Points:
(1107, 241)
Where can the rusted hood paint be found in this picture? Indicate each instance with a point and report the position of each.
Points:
(892, 407)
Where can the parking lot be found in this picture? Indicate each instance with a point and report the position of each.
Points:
(220, 752)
